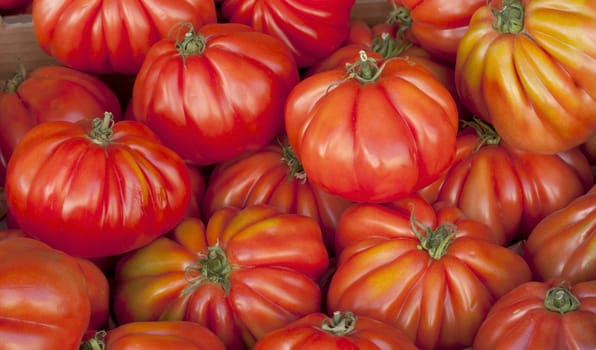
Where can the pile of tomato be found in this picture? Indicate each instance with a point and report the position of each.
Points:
(238, 174)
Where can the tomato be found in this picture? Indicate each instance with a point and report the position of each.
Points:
(361, 32)
(198, 186)
(272, 176)
(434, 280)
(436, 25)
(48, 93)
(536, 315)
(217, 93)
(44, 300)
(238, 276)
(370, 133)
(542, 96)
(96, 188)
(562, 244)
(589, 149)
(311, 29)
(158, 335)
(101, 36)
(342, 331)
(507, 188)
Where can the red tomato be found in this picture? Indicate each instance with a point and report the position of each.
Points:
(198, 187)
(509, 189)
(49, 93)
(435, 280)
(311, 29)
(436, 25)
(44, 300)
(542, 97)
(238, 276)
(158, 335)
(376, 135)
(103, 36)
(96, 190)
(217, 94)
(342, 331)
(551, 315)
(272, 176)
(562, 244)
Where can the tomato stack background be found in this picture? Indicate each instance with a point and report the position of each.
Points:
(269, 174)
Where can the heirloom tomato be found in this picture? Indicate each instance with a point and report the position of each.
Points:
(342, 331)
(96, 187)
(311, 29)
(436, 25)
(507, 188)
(563, 243)
(217, 93)
(49, 93)
(372, 132)
(550, 315)
(102, 36)
(272, 176)
(433, 278)
(156, 335)
(248, 272)
(528, 67)
(44, 297)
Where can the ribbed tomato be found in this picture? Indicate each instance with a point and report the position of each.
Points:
(248, 272)
(96, 187)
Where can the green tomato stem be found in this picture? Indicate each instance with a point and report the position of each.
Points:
(101, 129)
(509, 18)
(560, 299)
(434, 242)
(296, 170)
(389, 47)
(213, 267)
(11, 85)
(95, 343)
(486, 133)
(340, 324)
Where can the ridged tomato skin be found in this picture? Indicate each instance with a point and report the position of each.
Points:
(532, 77)
(220, 97)
(94, 198)
(243, 274)
(102, 37)
(372, 138)
(44, 298)
(338, 332)
(523, 319)
(562, 244)
(160, 335)
(311, 29)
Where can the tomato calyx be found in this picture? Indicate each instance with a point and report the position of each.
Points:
(389, 47)
(434, 242)
(486, 133)
(400, 16)
(95, 343)
(296, 170)
(340, 324)
(11, 85)
(365, 70)
(212, 267)
(561, 300)
(101, 129)
(509, 18)
(190, 43)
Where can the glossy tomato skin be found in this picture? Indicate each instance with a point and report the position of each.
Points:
(372, 141)
(159, 335)
(270, 283)
(221, 101)
(507, 188)
(111, 37)
(50, 93)
(562, 244)
(520, 320)
(309, 332)
(265, 177)
(438, 26)
(311, 29)
(37, 301)
(93, 199)
(438, 297)
(549, 57)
